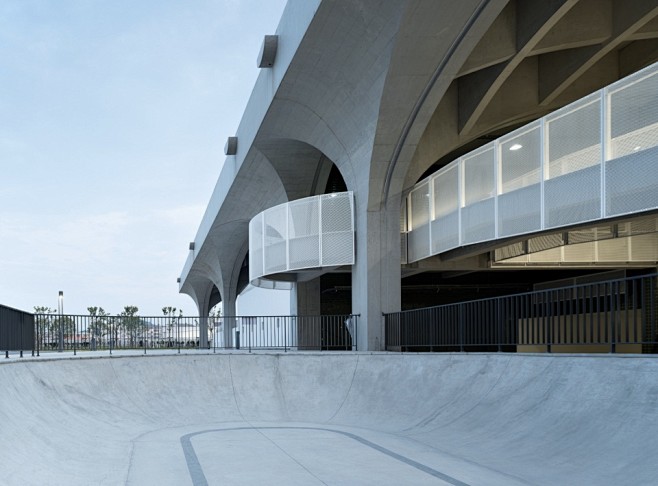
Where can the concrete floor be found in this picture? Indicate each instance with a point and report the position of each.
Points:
(328, 418)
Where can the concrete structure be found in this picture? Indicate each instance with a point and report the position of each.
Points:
(332, 418)
(370, 97)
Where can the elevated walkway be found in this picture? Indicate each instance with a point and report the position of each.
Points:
(307, 418)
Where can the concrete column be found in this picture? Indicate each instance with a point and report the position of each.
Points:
(305, 298)
(376, 274)
(229, 298)
(305, 301)
(203, 330)
(201, 297)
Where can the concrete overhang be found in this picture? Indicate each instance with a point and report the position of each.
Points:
(245, 185)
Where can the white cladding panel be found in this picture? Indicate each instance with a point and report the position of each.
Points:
(313, 232)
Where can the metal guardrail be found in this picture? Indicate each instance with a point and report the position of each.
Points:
(54, 332)
(303, 333)
(16, 330)
(611, 316)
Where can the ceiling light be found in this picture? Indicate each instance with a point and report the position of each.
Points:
(516, 146)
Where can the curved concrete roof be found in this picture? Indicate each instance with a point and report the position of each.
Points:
(330, 418)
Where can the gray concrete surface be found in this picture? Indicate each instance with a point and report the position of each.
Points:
(331, 418)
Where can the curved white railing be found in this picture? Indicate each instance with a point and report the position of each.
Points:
(313, 232)
(591, 160)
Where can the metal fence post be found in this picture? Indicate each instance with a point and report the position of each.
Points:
(614, 297)
(21, 332)
(36, 334)
(460, 310)
(500, 325)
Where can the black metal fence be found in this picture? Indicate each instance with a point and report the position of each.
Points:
(611, 316)
(54, 332)
(16, 330)
(330, 332)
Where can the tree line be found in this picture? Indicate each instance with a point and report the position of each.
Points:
(101, 325)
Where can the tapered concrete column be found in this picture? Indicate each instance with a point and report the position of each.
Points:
(229, 298)
(203, 330)
(376, 273)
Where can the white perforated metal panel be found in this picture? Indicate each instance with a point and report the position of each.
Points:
(633, 114)
(311, 232)
(304, 233)
(419, 202)
(519, 211)
(445, 233)
(275, 226)
(337, 229)
(573, 137)
(446, 191)
(594, 158)
(419, 237)
(520, 158)
(418, 243)
(479, 174)
(631, 183)
(256, 247)
(478, 216)
(479, 221)
(573, 198)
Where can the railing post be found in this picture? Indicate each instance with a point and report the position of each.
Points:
(460, 310)
(500, 325)
(614, 294)
(21, 331)
(75, 334)
(547, 319)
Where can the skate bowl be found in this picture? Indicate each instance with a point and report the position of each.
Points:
(330, 418)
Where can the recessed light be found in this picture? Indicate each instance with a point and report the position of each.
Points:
(516, 146)
(635, 149)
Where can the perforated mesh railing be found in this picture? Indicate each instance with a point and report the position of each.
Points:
(593, 159)
(313, 232)
(479, 209)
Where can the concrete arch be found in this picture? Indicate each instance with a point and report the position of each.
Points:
(226, 239)
(293, 127)
(417, 80)
(302, 167)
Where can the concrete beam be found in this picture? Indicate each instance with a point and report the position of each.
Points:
(534, 19)
(514, 102)
(637, 55)
(436, 264)
(628, 17)
(497, 46)
(588, 23)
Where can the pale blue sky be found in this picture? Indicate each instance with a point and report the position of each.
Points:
(113, 119)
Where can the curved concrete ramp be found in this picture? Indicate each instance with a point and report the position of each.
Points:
(330, 419)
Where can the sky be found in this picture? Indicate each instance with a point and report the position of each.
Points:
(113, 119)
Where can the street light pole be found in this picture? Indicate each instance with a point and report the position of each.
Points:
(60, 308)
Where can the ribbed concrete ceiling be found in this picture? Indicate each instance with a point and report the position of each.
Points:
(536, 56)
